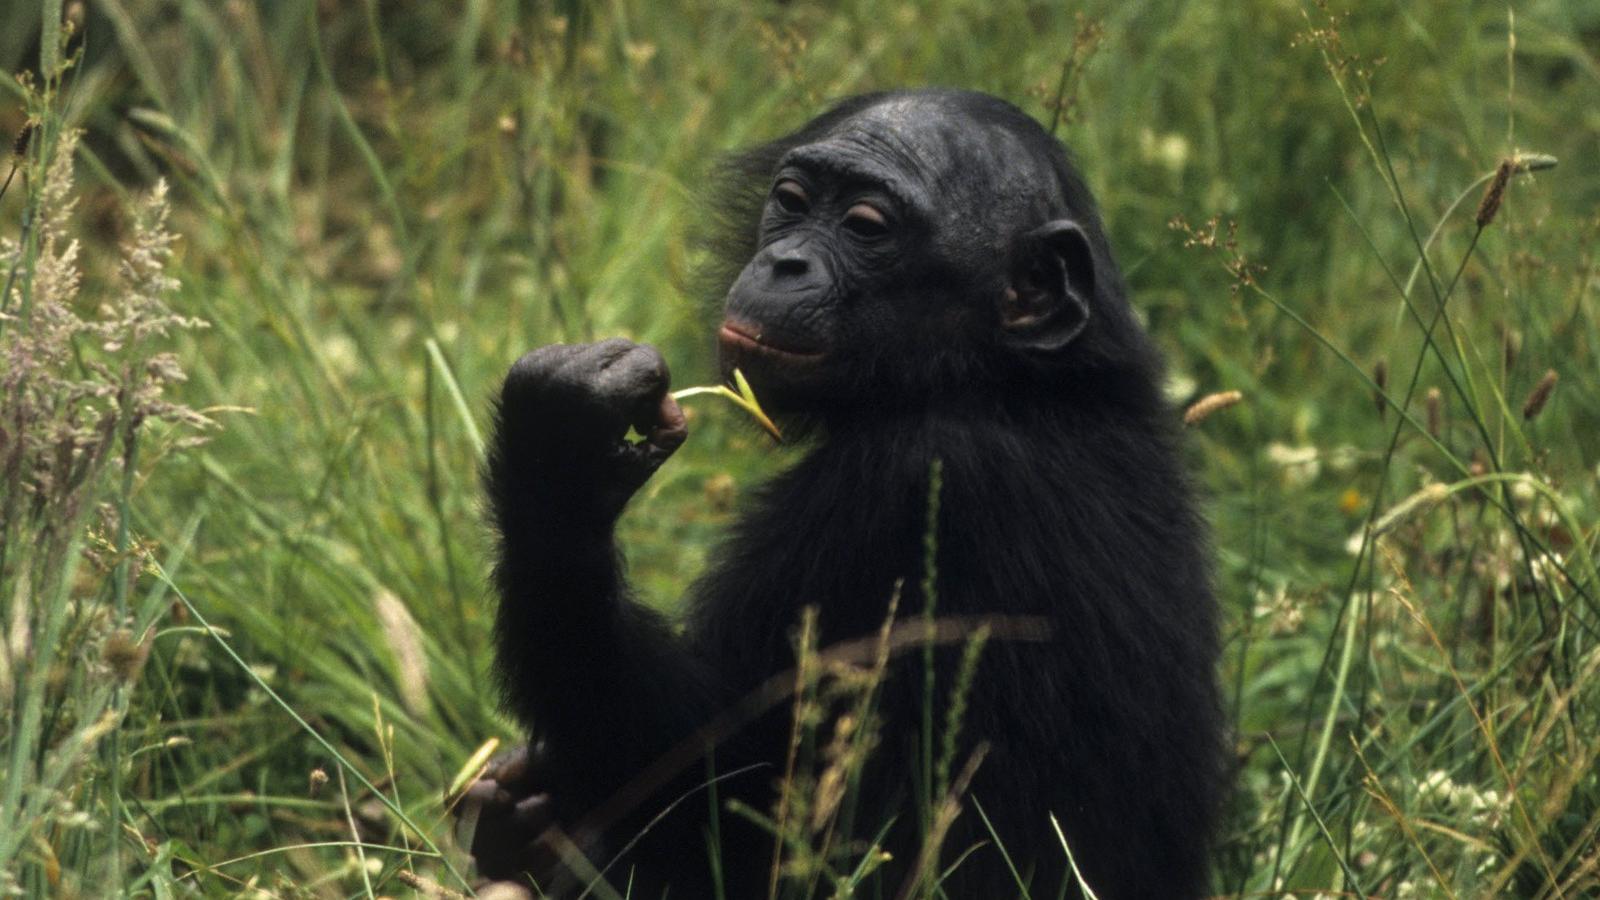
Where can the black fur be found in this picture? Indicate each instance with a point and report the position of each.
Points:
(1063, 498)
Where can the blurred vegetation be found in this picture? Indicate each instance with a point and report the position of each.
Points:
(380, 205)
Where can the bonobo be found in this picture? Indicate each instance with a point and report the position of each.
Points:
(917, 280)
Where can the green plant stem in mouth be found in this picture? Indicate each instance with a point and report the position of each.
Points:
(743, 397)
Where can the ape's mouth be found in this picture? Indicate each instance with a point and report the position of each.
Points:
(741, 338)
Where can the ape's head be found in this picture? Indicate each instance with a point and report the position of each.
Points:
(912, 244)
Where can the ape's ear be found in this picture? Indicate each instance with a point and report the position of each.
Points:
(1046, 303)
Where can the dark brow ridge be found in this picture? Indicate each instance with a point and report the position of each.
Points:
(850, 172)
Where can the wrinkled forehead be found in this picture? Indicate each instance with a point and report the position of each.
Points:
(928, 146)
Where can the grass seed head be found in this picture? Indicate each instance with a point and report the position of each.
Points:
(1495, 192)
(1203, 408)
(1532, 162)
(1434, 403)
(1540, 395)
(125, 654)
(19, 148)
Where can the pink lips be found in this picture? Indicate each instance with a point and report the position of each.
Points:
(745, 338)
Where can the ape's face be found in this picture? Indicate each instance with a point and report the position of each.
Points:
(911, 236)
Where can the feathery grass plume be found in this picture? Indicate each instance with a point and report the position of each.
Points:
(1203, 408)
(1418, 504)
(75, 391)
(140, 312)
(1540, 395)
(1433, 402)
(316, 781)
(1380, 377)
(57, 417)
(405, 643)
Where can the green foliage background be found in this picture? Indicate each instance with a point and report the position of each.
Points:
(381, 205)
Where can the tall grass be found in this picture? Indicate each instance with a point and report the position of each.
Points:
(80, 396)
(379, 207)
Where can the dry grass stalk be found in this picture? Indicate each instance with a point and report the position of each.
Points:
(949, 808)
(1415, 506)
(1380, 377)
(426, 887)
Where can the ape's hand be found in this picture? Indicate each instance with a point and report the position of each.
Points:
(567, 409)
(515, 833)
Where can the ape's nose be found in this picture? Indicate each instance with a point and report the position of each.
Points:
(791, 264)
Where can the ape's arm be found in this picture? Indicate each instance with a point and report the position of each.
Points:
(602, 680)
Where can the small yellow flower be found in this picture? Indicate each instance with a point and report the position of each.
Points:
(1350, 502)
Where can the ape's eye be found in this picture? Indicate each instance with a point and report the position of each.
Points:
(866, 220)
(791, 196)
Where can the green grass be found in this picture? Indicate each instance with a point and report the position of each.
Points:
(378, 210)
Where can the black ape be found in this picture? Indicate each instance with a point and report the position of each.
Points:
(924, 277)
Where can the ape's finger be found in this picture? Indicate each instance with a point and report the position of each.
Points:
(670, 428)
